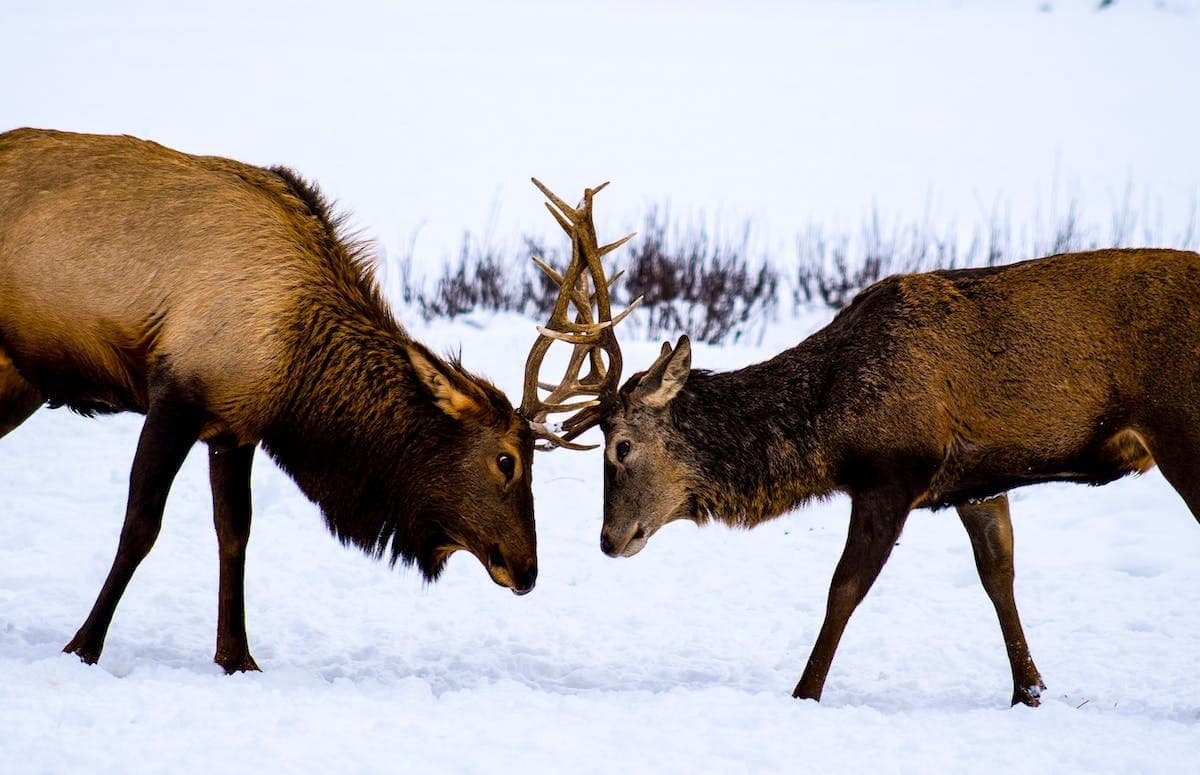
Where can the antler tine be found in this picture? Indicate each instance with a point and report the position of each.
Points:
(610, 247)
(550, 271)
(563, 221)
(582, 302)
(590, 336)
(568, 213)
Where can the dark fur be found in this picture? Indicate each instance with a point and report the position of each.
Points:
(794, 431)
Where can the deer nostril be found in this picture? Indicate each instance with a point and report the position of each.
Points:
(607, 546)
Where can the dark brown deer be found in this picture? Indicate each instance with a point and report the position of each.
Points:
(930, 390)
(221, 301)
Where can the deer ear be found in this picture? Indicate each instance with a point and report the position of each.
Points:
(667, 375)
(449, 392)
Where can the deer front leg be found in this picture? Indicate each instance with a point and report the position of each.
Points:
(229, 475)
(990, 527)
(172, 426)
(875, 523)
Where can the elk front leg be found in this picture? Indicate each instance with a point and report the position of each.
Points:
(875, 523)
(229, 474)
(172, 426)
(990, 527)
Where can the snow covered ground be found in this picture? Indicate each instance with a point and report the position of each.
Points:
(681, 659)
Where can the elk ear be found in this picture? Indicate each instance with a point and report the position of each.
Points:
(666, 376)
(449, 392)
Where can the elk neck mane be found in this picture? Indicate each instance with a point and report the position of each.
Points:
(343, 261)
(355, 429)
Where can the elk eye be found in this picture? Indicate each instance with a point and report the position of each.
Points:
(622, 451)
(507, 465)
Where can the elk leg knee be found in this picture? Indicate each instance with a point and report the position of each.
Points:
(875, 524)
(990, 528)
(229, 475)
(171, 427)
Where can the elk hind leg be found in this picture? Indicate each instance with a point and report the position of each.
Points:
(172, 426)
(990, 528)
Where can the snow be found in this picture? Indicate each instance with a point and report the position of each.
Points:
(430, 118)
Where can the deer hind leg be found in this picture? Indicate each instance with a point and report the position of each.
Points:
(990, 528)
(18, 398)
(875, 523)
(229, 474)
(172, 425)
(1177, 452)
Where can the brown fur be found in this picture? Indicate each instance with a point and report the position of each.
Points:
(930, 390)
(220, 300)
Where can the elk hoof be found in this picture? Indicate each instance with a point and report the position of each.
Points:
(87, 654)
(803, 693)
(237, 663)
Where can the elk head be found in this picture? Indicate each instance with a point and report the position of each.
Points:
(646, 481)
(484, 499)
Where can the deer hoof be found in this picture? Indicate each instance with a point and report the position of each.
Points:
(1029, 695)
(239, 663)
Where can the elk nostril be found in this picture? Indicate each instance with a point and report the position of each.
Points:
(495, 557)
(523, 583)
(639, 533)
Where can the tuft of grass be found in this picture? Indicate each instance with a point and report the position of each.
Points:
(693, 282)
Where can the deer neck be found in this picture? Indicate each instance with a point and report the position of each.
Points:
(755, 439)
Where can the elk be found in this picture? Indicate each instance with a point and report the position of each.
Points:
(932, 390)
(224, 303)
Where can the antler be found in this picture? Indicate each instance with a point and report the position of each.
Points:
(590, 337)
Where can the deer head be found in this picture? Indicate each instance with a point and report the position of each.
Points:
(645, 486)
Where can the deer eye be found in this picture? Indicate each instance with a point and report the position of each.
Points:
(622, 450)
(507, 465)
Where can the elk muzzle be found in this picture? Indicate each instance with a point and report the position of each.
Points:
(517, 575)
